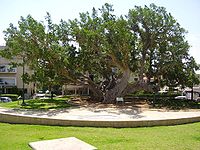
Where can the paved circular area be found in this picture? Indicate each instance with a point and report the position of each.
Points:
(105, 114)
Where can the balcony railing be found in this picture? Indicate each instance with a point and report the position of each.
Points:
(7, 69)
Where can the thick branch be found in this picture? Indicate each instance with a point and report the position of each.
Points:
(131, 88)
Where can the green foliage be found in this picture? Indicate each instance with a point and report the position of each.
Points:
(38, 45)
(150, 96)
(162, 49)
(103, 42)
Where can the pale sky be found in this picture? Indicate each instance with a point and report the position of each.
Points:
(187, 13)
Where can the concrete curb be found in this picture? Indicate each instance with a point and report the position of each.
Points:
(21, 119)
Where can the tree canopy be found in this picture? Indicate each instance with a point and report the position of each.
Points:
(103, 50)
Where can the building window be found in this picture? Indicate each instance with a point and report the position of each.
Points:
(6, 81)
(2, 68)
(136, 79)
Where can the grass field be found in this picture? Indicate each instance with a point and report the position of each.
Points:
(180, 137)
(55, 103)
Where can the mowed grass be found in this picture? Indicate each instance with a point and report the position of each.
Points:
(55, 103)
(180, 137)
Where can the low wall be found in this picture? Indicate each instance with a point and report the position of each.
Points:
(21, 119)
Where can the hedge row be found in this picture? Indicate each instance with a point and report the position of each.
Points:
(152, 95)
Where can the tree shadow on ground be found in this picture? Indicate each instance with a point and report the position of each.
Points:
(125, 108)
(43, 107)
(37, 112)
(46, 104)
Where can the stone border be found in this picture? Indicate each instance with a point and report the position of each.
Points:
(21, 119)
(70, 143)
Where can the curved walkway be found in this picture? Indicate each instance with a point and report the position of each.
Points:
(100, 117)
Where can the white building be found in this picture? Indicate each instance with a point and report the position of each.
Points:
(10, 78)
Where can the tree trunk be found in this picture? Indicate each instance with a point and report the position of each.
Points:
(117, 90)
(192, 91)
(97, 94)
(50, 91)
(131, 88)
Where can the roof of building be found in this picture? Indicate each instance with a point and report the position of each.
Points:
(2, 47)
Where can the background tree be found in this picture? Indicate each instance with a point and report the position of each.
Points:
(38, 44)
(161, 46)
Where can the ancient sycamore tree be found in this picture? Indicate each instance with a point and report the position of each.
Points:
(104, 51)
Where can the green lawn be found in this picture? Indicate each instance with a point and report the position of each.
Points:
(39, 104)
(180, 137)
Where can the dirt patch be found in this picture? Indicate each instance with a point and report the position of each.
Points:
(142, 104)
(87, 102)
